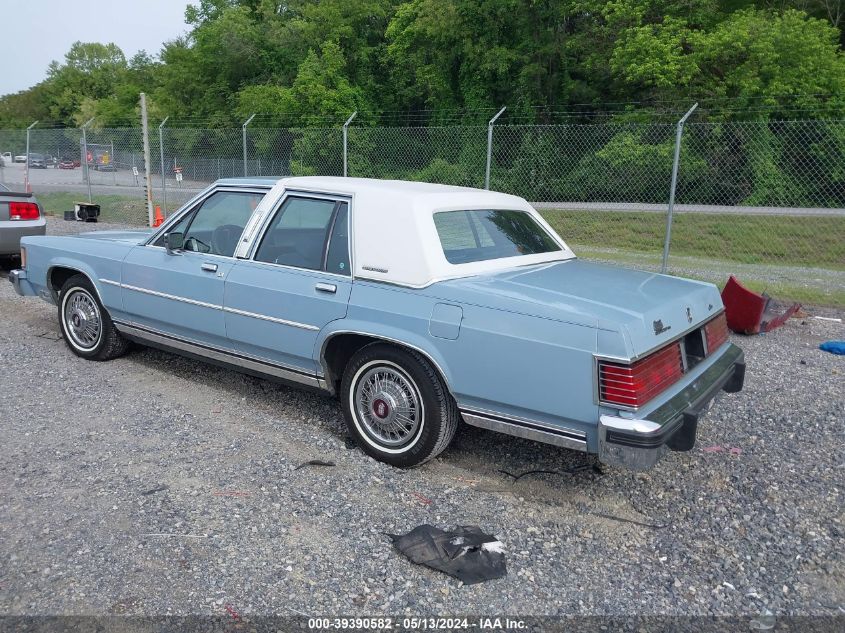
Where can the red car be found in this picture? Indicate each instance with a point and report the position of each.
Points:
(66, 163)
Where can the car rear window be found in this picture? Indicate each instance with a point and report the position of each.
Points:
(478, 235)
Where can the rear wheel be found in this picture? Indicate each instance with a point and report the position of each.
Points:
(86, 326)
(396, 405)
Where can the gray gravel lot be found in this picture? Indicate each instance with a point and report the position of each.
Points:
(706, 532)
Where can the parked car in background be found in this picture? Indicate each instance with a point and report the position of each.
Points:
(20, 158)
(6, 157)
(419, 306)
(20, 215)
(37, 161)
(67, 163)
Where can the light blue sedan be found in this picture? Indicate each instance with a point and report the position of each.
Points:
(419, 306)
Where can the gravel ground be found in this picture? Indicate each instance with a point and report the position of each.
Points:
(158, 485)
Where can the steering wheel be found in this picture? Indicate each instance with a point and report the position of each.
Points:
(224, 239)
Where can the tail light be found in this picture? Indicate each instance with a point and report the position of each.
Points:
(23, 211)
(635, 384)
(716, 333)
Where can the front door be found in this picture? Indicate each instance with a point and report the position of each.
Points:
(297, 280)
(181, 293)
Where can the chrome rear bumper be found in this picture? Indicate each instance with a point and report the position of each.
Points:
(638, 443)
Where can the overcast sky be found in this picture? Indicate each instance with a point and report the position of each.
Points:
(38, 31)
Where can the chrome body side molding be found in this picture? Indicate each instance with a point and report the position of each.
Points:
(264, 317)
(528, 429)
(212, 306)
(226, 356)
(164, 295)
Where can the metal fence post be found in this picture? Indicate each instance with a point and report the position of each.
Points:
(86, 171)
(26, 167)
(490, 146)
(244, 133)
(675, 163)
(345, 132)
(146, 134)
(161, 163)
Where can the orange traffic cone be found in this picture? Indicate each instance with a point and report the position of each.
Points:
(159, 218)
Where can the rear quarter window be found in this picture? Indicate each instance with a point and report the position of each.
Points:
(479, 235)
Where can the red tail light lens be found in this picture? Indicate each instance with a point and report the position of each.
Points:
(634, 385)
(23, 211)
(716, 333)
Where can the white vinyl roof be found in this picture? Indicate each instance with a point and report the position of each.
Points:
(394, 238)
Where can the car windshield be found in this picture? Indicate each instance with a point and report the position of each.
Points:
(472, 236)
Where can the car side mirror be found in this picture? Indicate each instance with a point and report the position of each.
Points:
(173, 242)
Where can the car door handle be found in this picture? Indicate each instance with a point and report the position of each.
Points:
(208, 267)
(326, 287)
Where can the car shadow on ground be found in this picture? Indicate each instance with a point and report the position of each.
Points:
(477, 451)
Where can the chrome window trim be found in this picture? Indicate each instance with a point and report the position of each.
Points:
(252, 248)
(246, 361)
(201, 197)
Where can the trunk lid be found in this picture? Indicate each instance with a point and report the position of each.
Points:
(649, 308)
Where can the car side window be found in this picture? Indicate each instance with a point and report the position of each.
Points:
(179, 227)
(298, 233)
(216, 225)
(337, 255)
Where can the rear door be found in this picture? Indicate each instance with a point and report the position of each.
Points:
(296, 280)
(181, 295)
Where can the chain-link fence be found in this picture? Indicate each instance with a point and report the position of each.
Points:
(764, 200)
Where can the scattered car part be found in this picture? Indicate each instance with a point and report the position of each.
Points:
(314, 462)
(466, 552)
(155, 490)
(834, 347)
(568, 471)
(751, 313)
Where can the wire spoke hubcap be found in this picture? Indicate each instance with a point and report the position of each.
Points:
(388, 405)
(82, 319)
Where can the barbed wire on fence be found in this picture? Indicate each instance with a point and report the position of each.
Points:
(763, 197)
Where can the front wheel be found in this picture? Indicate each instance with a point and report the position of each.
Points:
(86, 326)
(397, 406)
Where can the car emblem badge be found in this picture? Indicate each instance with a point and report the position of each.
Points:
(659, 328)
(380, 408)
(689, 315)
